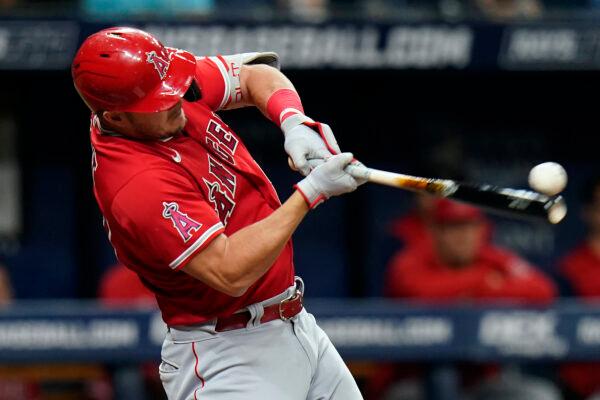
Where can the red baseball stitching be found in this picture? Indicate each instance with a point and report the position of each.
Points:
(196, 369)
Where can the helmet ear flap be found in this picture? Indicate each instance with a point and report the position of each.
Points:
(193, 93)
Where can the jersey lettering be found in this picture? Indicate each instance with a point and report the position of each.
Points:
(220, 151)
(223, 204)
(225, 177)
(185, 225)
(224, 137)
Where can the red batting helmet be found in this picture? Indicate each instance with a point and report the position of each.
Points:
(127, 69)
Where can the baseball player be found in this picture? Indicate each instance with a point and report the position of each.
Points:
(188, 209)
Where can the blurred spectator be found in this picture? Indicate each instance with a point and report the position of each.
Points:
(463, 264)
(121, 285)
(412, 229)
(581, 266)
(6, 293)
(581, 269)
(508, 9)
(314, 10)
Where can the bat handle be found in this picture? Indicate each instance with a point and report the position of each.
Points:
(358, 172)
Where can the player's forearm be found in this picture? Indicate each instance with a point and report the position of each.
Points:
(232, 264)
(254, 249)
(259, 82)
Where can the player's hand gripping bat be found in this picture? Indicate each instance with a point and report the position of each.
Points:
(524, 203)
(513, 202)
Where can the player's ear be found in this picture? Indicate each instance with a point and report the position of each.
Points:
(113, 117)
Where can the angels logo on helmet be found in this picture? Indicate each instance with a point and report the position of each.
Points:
(160, 64)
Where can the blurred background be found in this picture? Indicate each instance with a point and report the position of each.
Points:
(424, 299)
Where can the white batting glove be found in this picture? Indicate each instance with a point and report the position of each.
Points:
(306, 140)
(326, 180)
(359, 180)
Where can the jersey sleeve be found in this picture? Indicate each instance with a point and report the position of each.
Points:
(164, 218)
(219, 76)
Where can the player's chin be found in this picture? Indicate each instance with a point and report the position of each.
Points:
(174, 125)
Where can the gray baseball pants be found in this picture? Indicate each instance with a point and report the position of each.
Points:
(277, 360)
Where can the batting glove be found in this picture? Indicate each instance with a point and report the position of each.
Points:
(359, 179)
(326, 180)
(306, 140)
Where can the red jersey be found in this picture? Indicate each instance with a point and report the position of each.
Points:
(581, 267)
(495, 274)
(412, 230)
(163, 201)
(120, 285)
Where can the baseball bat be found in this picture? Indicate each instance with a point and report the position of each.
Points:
(516, 202)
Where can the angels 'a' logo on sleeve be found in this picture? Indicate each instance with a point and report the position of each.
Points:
(185, 225)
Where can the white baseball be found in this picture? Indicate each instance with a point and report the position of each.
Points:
(549, 178)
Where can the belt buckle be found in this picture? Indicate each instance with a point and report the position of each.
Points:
(296, 295)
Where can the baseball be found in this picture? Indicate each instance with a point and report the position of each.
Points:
(549, 178)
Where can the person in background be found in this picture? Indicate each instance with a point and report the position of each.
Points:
(581, 266)
(463, 265)
(510, 9)
(581, 269)
(412, 228)
(305, 9)
(123, 286)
